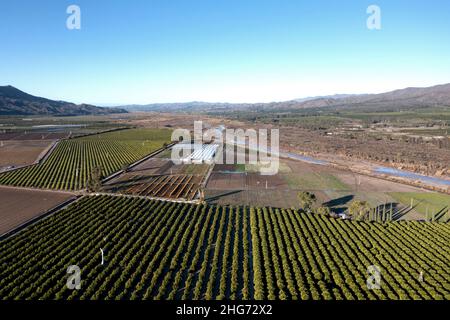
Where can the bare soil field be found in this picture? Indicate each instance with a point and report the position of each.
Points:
(18, 206)
(15, 153)
(21, 148)
(226, 181)
(254, 181)
(154, 166)
(9, 135)
(264, 198)
(20, 136)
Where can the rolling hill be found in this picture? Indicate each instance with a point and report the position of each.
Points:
(404, 99)
(16, 102)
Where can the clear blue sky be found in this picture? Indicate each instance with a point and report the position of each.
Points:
(143, 51)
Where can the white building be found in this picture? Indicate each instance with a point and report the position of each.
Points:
(201, 153)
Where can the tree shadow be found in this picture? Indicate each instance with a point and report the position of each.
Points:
(339, 201)
(441, 214)
(338, 205)
(401, 212)
(384, 211)
(217, 197)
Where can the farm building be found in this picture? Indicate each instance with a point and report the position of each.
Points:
(203, 153)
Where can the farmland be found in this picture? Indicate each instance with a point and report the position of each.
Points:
(21, 148)
(229, 159)
(159, 177)
(164, 250)
(25, 140)
(163, 186)
(334, 188)
(22, 153)
(56, 127)
(17, 206)
(71, 163)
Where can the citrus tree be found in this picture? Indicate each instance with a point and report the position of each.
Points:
(306, 200)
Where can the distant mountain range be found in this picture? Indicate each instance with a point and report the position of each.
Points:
(16, 102)
(404, 99)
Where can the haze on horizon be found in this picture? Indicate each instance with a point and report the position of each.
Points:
(142, 52)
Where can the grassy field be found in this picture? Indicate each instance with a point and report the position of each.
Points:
(315, 181)
(71, 163)
(163, 250)
(434, 203)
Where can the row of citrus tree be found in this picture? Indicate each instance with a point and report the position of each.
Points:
(167, 250)
(72, 162)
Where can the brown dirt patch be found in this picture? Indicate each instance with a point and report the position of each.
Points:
(18, 206)
(20, 153)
